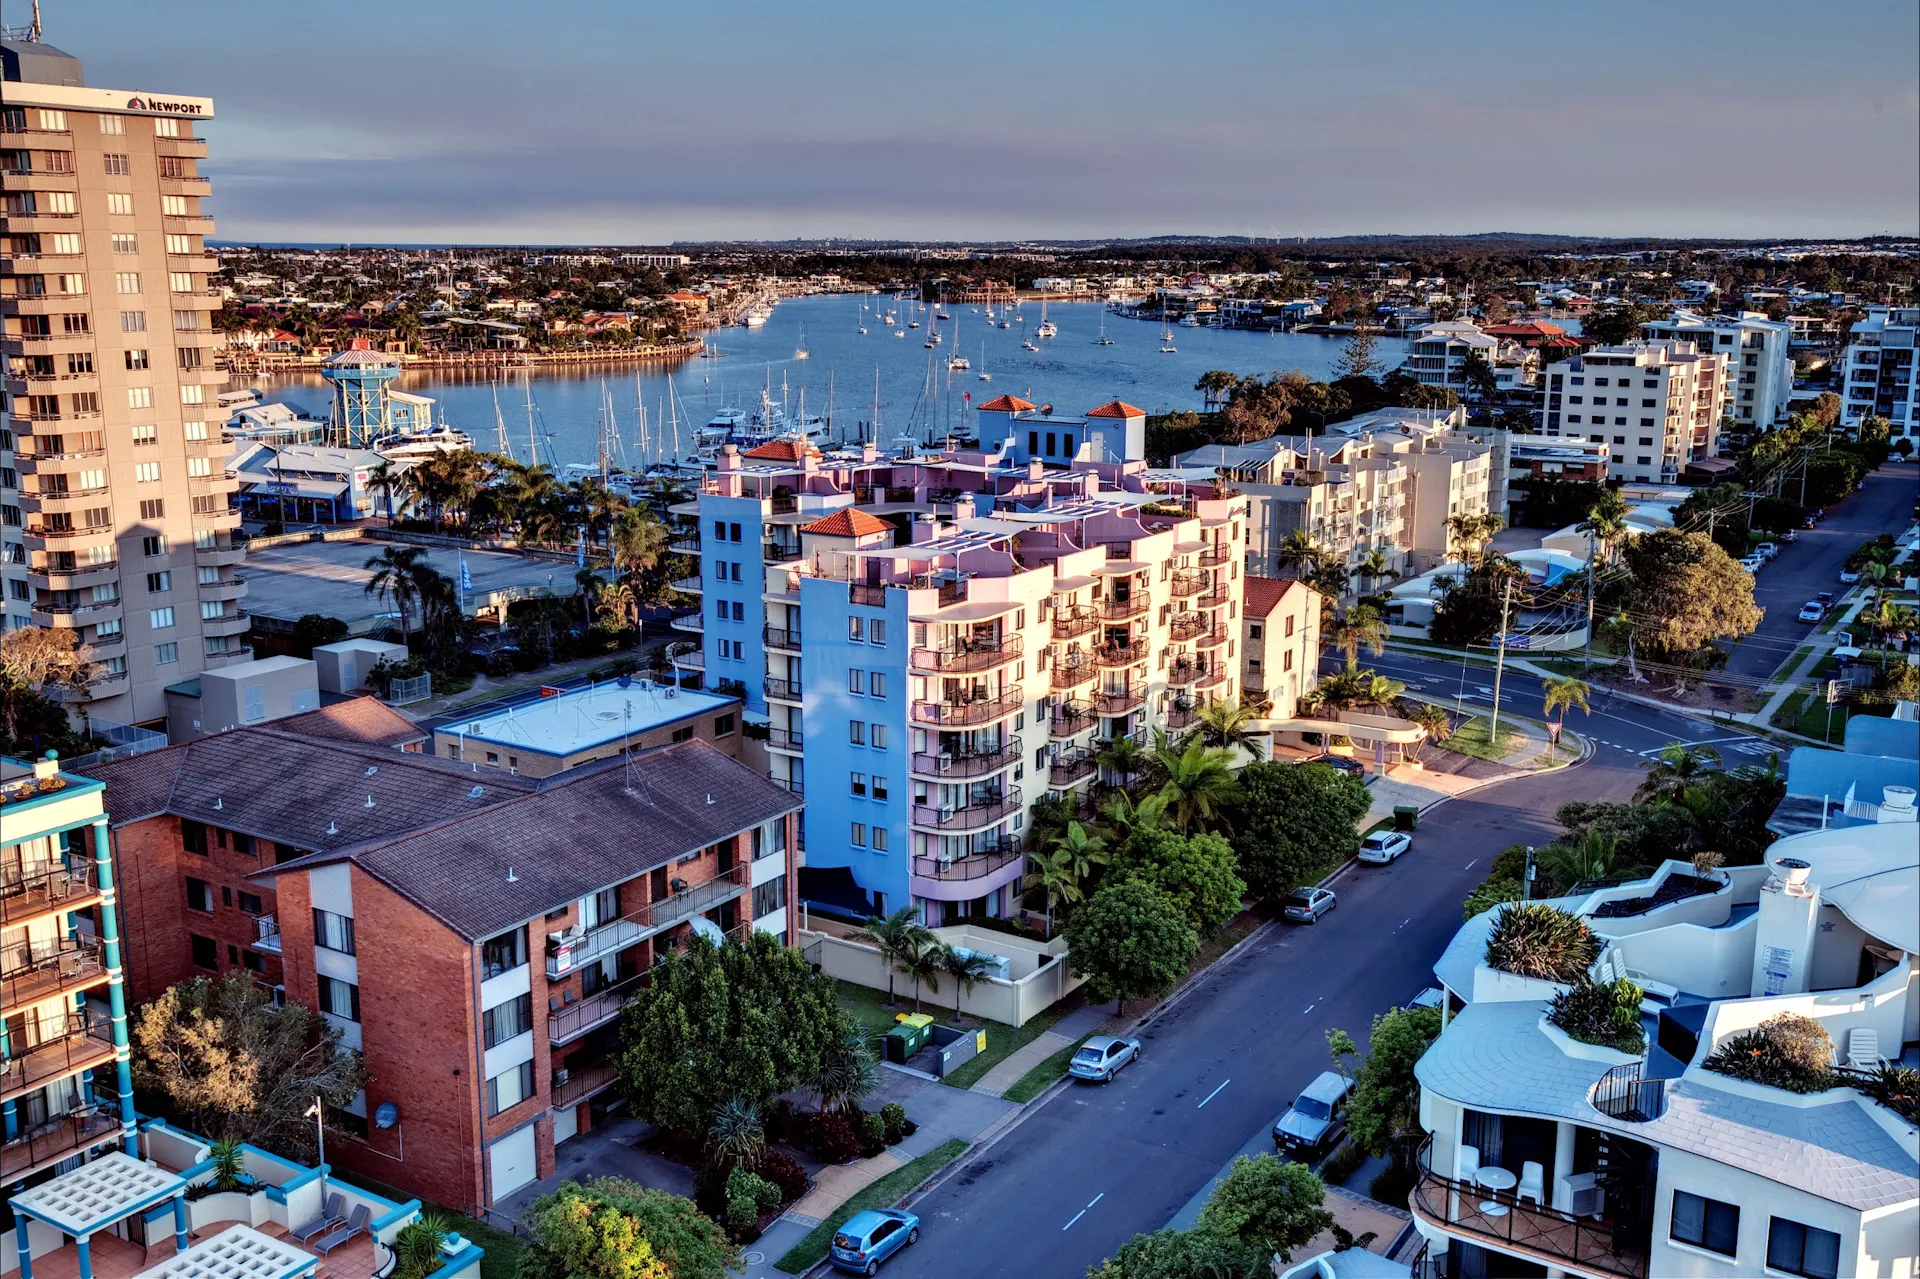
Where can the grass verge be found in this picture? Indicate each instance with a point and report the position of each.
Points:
(811, 1250)
(869, 1007)
(1471, 739)
(502, 1259)
(1004, 1040)
(1037, 1080)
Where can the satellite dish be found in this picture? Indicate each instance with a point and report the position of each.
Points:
(625, 681)
(386, 1114)
(708, 929)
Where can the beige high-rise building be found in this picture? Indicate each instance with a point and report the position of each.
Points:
(116, 509)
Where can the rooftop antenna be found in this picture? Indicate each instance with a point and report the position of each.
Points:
(511, 877)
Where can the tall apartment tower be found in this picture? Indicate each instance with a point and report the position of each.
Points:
(117, 515)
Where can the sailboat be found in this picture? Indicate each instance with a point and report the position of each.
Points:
(1103, 339)
(1166, 334)
(984, 375)
(1046, 329)
(801, 352)
(958, 363)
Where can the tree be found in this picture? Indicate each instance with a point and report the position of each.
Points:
(1469, 533)
(1215, 385)
(1613, 325)
(313, 630)
(735, 1138)
(1267, 1203)
(33, 658)
(1184, 1254)
(967, 970)
(1357, 358)
(1060, 870)
(924, 964)
(896, 936)
(233, 1067)
(1468, 611)
(845, 1076)
(748, 1020)
(1606, 519)
(1227, 725)
(610, 1228)
(1686, 593)
(1124, 758)
(1130, 939)
(396, 579)
(1434, 719)
(1675, 767)
(1199, 781)
(386, 484)
(1360, 626)
(1383, 1110)
(1199, 873)
(1563, 693)
(1296, 821)
(1299, 555)
(1375, 567)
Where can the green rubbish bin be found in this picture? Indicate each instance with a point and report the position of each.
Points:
(900, 1044)
(1405, 816)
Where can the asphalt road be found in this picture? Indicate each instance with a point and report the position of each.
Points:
(1091, 1166)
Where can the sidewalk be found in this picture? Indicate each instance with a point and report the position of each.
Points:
(1076, 1025)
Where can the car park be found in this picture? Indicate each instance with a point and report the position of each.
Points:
(866, 1239)
(1317, 1117)
(1812, 611)
(1306, 905)
(1101, 1058)
(1382, 846)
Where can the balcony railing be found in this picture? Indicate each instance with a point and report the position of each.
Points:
(970, 816)
(969, 655)
(644, 921)
(1190, 582)
(84, 1040)
(781, 637)
(1546, 1235)
(1181, 714)
(1075, 669)
(1216, 554)
(582, 1084)
(1075, 621)
(1211, 639)
(266, 933)
(693, 623)
(959, 711)
(1182, 674)
(1186, 626)
(779, 553)
(31, 971)
(784, 739)
(972, 866)
(63, 888)
(1119, 610)
(1212, 676)
(1121, 654)
(1071, 767)
(867, 596)
(575, 1019)
(784, 690)
(1214, 598)
(1074, 717)
(1119, 701)
(1622, 1094)
(967, 762)
(61, 1138)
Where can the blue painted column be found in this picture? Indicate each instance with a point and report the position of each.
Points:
(86, 1257)
(9, 1109)
(22, 1227)
(179, 1223)
(116, 988)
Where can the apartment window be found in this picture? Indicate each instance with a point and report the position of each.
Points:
(195, 394)
(146, 473)
(173, 166)
(166, 654)
(194, 430)
(175, 206)
(159, 619)
(856, 681)
(509, 1088)
(735, 530)
(856, 732)
(65, 245)
(877, 631)
(72, 284)
(1802, 1250)
(857, 784)
(879, 787)
(125, 242)
(507, 1021)
(683, 734)
(120, 204)
(126, 281)
(769, 897)
(879, 839)
(877, 684)
(190, 357)
(1706, 1223)
(503, 953)
(161, 581)
(133, 321)
(341, 998)
(139, 397)
(877, 736)
(116, 165)
(858, 835)
(180, 244)
(165, 128)
(199, 896)
(333, 932)
(205, 953)
(200, 467)
(152, 508)
(137, 359)
(1286, 660)
(111, 124)
(723, 726)
(180, 281)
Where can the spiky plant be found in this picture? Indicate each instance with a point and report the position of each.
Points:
(735, 1136)
(1533, 939)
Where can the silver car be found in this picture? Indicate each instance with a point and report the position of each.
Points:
(1308, 904)
(1101, 1057)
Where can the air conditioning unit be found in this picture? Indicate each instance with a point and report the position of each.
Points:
(561, 1076)
(946, 813)
(944, 761)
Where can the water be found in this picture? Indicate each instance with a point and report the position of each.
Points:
(916, 392)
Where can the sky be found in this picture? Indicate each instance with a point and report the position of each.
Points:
(609, 122)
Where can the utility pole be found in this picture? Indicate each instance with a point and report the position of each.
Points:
(1499, 668)
(1590, 555)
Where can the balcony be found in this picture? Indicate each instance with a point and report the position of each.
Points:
(1211, 639)
(691, 623)
(782, 638)
(230, 656)
(1182, 674)
(967, 761)
(867, 596)
(968, 656)
(783, 690)
(1075, 669)
(218, 556)
(643, 922)
(232, 588)
(74, 577)
(1546, 1236)
(1216, 554)
(1182, 714)
(1120, 610)
(784, 739)
(1190, 582)
(63, 889)
(1116, 655)
(1212, 677)
(266, 933)
(688, 585)
(570, 1088)
(974, 815)
(972, 866)
(1071, 718)
(56, 1140)
(779, 553)
(237, 622)
(1078, 620)
(1072, 766)
(1217, 596)
(1119, 701)
(685, 546)
(575, 1019)
(963, 709)
(39, 970)
(85, 1041)
(1186, 626)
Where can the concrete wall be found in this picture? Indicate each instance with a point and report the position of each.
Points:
(342, 668)
(245, 693)
(1041, 974)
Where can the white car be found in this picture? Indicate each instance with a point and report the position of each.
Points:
(1767, 549)
(1812, 611)
(1754, 563)
(1849, 575)
(1383, 846)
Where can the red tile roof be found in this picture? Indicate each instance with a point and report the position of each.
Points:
(781, 451)
(1116, 408)
(847, 522)
(1007, 404)
(1265, 593)
(1525, 329)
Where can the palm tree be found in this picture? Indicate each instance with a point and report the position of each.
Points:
(588, 585)
(1331, 579)
(1471, 532)
(1606, 520)
(1434, 719)
(1360, 627)
(1374, 566)
(924, 963)
(1563, 694)
(1299, 555)
(638, 543)
(845, 1075)
(1053, 873)
(384, 482)
(396, 578)
(1225, 724)
(735, 1136)
(1677, 765)
(967, 970)
(1124, 817)
(1122, 758)
(1200, 782)
(618, 607)
(895, 937)
(1594, 857)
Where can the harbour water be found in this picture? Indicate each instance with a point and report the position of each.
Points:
(917, 394)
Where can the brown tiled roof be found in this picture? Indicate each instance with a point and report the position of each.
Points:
(1007, 404)
(580, 831)
(1265, 593)
(1116, 408)
(847, 522)
(781, 451)
(364, 719)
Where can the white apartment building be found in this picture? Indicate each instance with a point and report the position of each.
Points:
(117, 517)
(1438, 355)
(1758, 354)
(1548, 1155)
(1880, 379)
(1280, 643)
(1658, 404)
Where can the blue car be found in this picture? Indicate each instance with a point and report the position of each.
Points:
(868, 1238)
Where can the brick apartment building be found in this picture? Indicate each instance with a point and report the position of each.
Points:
(472, 932)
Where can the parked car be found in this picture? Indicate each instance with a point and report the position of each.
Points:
(1753, 563)
(1432, 997)
(1812, 611)
(1345, 763)
(1824, 599)
(1849, 576)
(868, 1238)
(1317, 1117)
(1791, 535)
(1101, 1057)
(1768, 549)
(1383, 846)
(1307, 905)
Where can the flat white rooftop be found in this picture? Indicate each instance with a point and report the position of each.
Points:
(585, 718)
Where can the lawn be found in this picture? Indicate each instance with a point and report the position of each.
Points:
(1037, 1080)
(503, 1250)
(1806, 714)
(869, 1007)
(1003, 1041)
(810, 1251)
(1471, 739)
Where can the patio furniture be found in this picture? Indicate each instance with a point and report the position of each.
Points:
(330, 1216)
(355, 1224)
(1863, 1049)
(1495, 1179)
(1533, 1183)
(1468, 1163)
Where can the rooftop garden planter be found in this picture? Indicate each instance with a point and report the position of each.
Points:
(1607, 1016)
(1533, 939)
(1789, 1052)
(1673, 889)
(1894, 1086)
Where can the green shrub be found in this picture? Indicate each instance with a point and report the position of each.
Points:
(757, 1190)
(1897, 1088)
(1605, 1015)
(416, 1249)
(1493, 892)
(1343, 1162)
(1789, 1052)
(1533, 939)
(873, 1133)
(894, 1116)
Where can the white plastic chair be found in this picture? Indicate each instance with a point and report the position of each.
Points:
(1533, 1183)
(1467, 1165)
(1863, 1049)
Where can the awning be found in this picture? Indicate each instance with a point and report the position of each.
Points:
(832, 889)
(256, 485)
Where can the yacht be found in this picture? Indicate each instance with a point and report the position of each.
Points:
(422, 444)
(757, 314)
(1046, 329)
(959, 363)
(1029, 344)
(1103, 339)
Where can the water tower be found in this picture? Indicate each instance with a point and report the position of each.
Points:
(360, 377)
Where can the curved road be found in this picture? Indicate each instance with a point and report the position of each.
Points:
(1087, 1168)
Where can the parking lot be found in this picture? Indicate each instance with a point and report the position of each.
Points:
(286, 582)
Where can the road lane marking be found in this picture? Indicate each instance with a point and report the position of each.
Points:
(1083, 1212)
(1203, 1102)
(1469, 865)
(1308, 1008)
